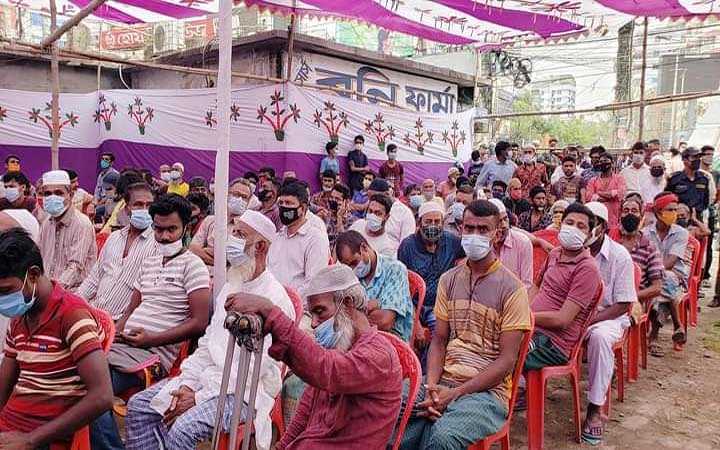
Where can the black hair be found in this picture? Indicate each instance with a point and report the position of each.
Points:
(197, 181)
(369, 172)
(501, 146)
(269, 170)
(409, 188)
(475, 154)
(112, 157)
(11, 156)
(552, 139)
(482, 208)
(330, 145)
(500, 183)
(360, 138)
(199, 200)
(128, 178)
(639, 145)
(71, 174)
(383, 200)
(536, 190)
(251, 176)
(514, 145)
(20, 253)
(350, 239)
(597, 149)
(654, 141)
(172, 203)
(329, 174)
(391, 147)
(608, 155)
(568, 159)
(706, 148)
(343, 189)
(579, 208)
(19, 177)
(295, 189)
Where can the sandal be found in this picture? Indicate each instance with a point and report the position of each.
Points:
(592, 435)
(656, 350)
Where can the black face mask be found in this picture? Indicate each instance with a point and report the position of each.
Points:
(264, 195)
(597, 167)
(682, 222)
(630, 223)
(333, 204)
(695, 165)
(288, 215)
(657, 171)
(674, 151)
(605, 167)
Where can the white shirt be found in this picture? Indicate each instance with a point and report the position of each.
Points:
(383, 244)
(294, 259)
(316, 221)
(203, 370)
(653, 187)
(674, 164)
(638, 180)
(401, 222)
(617, 272)
(558, 173)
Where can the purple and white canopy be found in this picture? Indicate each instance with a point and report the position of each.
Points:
(453, 22)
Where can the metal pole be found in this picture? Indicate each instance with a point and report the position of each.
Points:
(55, 90)
(641, 119)
(291, 42)
(225, 381)
(74, 20)
(222, 158)
(672, 111)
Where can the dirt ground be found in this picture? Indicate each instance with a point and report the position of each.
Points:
(675, 403)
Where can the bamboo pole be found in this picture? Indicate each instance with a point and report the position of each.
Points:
(55, 89)
(74, 20)
(291, 42)
(641, 118)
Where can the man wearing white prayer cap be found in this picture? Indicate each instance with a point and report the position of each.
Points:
(348, 366)
(513, 247)
(67, 237)
(22, 218)
(198, 386)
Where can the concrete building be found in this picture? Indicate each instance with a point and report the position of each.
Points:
(555, 94)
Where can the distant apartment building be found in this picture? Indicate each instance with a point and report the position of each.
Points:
(555, 94)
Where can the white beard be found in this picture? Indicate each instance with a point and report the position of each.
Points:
(239, 275)
(345, 331)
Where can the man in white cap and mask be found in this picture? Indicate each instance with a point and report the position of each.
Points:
(67, 238)
(348, 367)
(180, 412)
(513, 247)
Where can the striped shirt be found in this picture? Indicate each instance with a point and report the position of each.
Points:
(164, 289)
(68, 248)
(645, 254)
(110, 283)
(48, 382)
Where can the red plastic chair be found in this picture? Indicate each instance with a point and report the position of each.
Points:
(634, 336)
(690, 298)
(417, 290)
(539, 253)
(503, 434)
(696, 280)
(536, 382)
(81, 438)
(100, 239)
(411, 370)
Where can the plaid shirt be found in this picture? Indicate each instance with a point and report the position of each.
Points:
(531, 175)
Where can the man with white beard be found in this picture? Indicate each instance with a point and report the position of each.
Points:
(180, 413)
(352, 372)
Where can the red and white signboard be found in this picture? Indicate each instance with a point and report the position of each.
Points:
(124, 38)
(200, 29)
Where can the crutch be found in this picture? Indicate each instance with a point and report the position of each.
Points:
(245, 331)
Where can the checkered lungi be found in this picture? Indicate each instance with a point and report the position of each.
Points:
(146, 430)
(465, 421)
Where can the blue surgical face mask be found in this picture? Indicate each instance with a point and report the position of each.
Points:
(140, 219)
(236, 205)
(54, 205)
(104, 164)
(14, 304)
(416, 201)
(374, 223)
(325, 334)
(12, 194)
(235, 251)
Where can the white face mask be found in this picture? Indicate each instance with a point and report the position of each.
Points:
(171, 249)
(12, 194)
(175, 175)
(235, 251)
(374, 223)
(165, 176)
(637, 158)
(476, 246)
(571, 238)
(236, 206)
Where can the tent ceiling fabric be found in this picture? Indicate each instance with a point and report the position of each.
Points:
(455, 22)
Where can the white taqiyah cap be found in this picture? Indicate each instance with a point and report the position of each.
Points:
(598, 209)
(59, 177)
(260, 223)
(500, 205)
(431, 206)
(26, 221)
(333, 278)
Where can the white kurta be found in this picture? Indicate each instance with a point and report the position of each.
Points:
(202, 371)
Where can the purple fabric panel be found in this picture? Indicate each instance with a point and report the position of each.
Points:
(371, 12)
(653, 8)
(108, 12)
(165, 8)
(35, 160)
(542, 24)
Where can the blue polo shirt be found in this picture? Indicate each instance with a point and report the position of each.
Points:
(390, 287)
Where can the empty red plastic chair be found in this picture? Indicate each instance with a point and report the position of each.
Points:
(417, 290)
(503, 434)
(539, 253)
(536, 382)
(690, 299)
(634, 336)
(81, 438)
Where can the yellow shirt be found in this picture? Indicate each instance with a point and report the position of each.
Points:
(182, 189)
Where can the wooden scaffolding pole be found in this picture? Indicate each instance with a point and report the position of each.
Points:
(641, 117)
(291, 43)
(74, 20)
(55, 89)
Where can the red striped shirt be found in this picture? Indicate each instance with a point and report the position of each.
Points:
(49, 383)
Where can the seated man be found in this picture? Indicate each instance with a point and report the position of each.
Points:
(401, 222)
(513, 247)
(320, 201)
(110, 283)
(67, 238)
(462, 198)
(53, 378)
(352, 372)
(564, 293)
(430, 252)
(482, 310)
(429, 191)
(151, 414)
(610, 322)
(385, 281)
(372, 227)
(671, 241)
